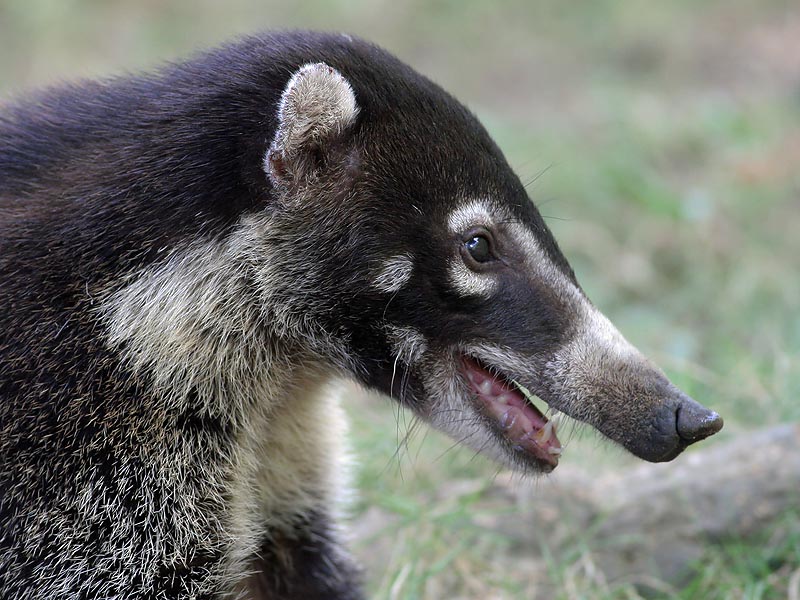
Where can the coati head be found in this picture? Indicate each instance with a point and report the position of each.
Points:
(426, 272)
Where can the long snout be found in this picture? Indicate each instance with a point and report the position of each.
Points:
(598, 377)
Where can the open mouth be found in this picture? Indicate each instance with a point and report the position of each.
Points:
(520, 421)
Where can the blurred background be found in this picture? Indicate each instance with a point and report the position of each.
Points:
(662, 143)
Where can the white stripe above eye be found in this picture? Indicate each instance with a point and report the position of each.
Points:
(394, 274)
(471, 214)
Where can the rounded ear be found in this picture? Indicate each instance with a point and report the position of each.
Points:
(316, 107)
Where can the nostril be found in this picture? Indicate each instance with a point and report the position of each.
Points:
(695, 422)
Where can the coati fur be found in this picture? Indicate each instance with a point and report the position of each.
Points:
(191, 260)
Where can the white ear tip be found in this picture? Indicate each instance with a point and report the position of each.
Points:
(317, 105)
(320, 95)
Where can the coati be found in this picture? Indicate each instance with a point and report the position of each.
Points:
(190, 260)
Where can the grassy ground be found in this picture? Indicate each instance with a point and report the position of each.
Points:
(662, 142)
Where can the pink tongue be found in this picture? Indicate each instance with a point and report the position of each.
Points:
(521, 421)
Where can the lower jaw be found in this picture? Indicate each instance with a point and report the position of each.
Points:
(528, 435)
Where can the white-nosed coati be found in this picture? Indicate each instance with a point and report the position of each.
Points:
(191, 259)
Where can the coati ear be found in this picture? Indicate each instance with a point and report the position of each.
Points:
(316, 107)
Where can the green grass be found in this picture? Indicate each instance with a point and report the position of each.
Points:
(660, 140)
(762, 568)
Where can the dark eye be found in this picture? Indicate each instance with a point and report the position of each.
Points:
(479, 248)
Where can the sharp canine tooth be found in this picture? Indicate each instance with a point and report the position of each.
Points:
(544, 434)
(503, 398)
(485, 387)
(554, 450)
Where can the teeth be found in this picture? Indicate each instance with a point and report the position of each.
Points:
(545, 433)
(485, 388)
(508, 420)
(555, 450)
(503, 398)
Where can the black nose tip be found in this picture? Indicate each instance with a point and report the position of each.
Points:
(695, 422)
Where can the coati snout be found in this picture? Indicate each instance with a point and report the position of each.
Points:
(190, 258)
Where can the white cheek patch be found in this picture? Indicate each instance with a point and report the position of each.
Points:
(408, 344)
(469, 283)
(394, 274)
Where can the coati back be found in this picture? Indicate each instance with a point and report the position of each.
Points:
(191, 260)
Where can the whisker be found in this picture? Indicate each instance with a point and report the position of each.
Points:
(385, 308)
(555, 218)
(537, 176)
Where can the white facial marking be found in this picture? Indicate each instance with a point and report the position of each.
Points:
(596, 360)
(466, 281)
(408, 347)
(408, 344)
(603, 335)
(596, 346)
(473, 214)
(539, 264)
(394, 274)
(470, 283)
(597, 334)
(576, 371)
(506, 359)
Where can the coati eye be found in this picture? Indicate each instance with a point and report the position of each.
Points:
(478, 248)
